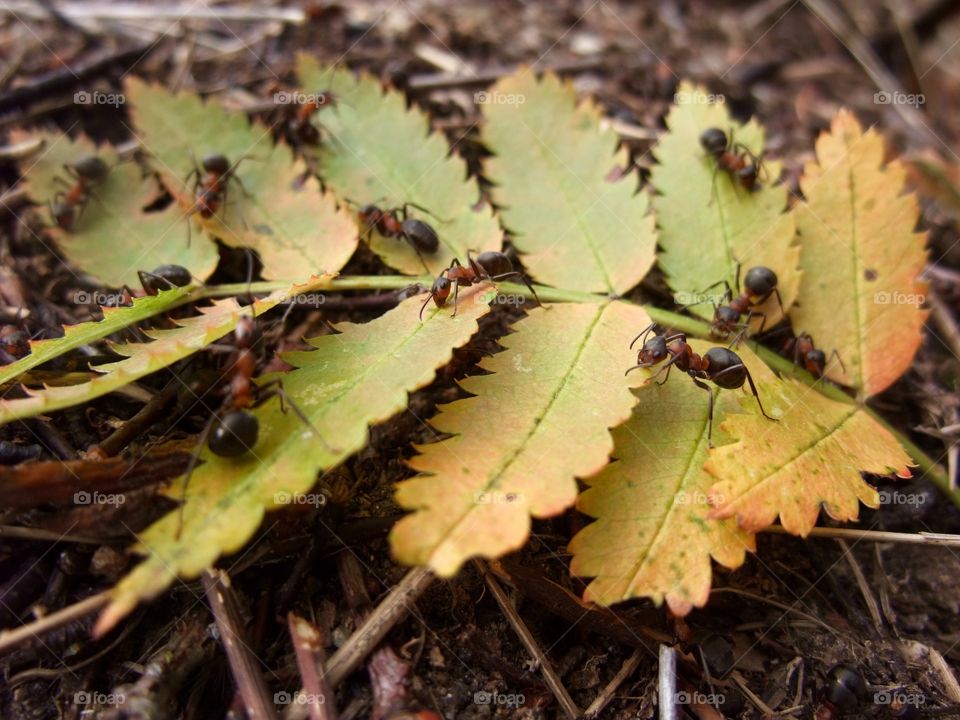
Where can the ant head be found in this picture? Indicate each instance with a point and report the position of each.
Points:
(713, 140)
(440, 288)
(235, 434)
(63, 214)
(653, 351)
(816, 360)
(247, 333)
(326, 97)
(720, 359)
(748, 176)
(725, 316)
(92, 168)
(216, 163)
(760, 281)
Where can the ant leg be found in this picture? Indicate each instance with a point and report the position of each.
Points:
(753, 388)
(243, 188)
(667, 376)
(191, 466)
(706, 387)
(644, 332)
(526, 281)
(713, 182)
(403, 210)
(275, 388)
(144, 276)
(456, 293)
(776, 292)
(836, 355)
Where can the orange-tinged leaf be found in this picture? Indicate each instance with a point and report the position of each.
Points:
(295, 228)
(538, 422)
(653, 536)
(812, 457)
(861, 293)
(707, 224)
(112, 237)
(575, 226)
(358, 377)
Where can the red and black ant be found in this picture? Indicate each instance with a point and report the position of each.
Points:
(67, 206)
(164, 277)
(758, 285)
(396, 223)
(489, 265)
(808, 356)
(301, 127)
(720, 365)
(234, 430)
(734, 158)
(211, 190)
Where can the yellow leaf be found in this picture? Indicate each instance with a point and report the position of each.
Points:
(860, 294)
(653, 536)
(537, 423)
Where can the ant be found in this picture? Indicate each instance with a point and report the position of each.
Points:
(234, 430)
(758, 285)
(165, 277)
(396, 223)
(211, 191)
(735, 158)
(67, 206)
(720, 365)
(843, 693)
(489, 265)
(301, 128)
(807, 355)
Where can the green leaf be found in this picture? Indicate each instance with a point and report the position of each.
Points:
(860, 293)
(536, 424)
(377, 150)
(113, 237)
(141, 359)
(351, 380)
(74, 336)
(706, 224)
(653, 536)
(294, 229)
(576, 226)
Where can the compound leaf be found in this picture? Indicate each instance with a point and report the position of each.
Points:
(812, 457)
(112, 237)
(706, 223)
(860, 293)
(140, 359)
(653, 536)
(273, 206)
(576, 225)
(377, 150)
(537, 423)
(349, 381)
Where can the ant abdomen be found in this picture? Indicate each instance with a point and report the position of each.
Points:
(494, 263)
(420, 235)
(725, 367)
(760, 281)
(91, 168)
(235, 434)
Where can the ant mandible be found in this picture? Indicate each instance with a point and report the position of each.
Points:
(489, 265)
(758, 285)
(396, 223)
(234, 430)
(720, 365)
(67, 206)
(734, 158)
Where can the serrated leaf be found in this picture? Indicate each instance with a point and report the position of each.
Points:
(113, 237)
(575, 226)
(706, 224)
(141, 359)
(348, 382)
(74, 336)
(861, 260)
(294, 228)
(538, 422)
(377, 150)
(812, 457)
(653, 536)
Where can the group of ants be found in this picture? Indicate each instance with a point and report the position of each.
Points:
(233, 431)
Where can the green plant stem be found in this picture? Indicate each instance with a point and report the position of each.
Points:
(683, 323)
